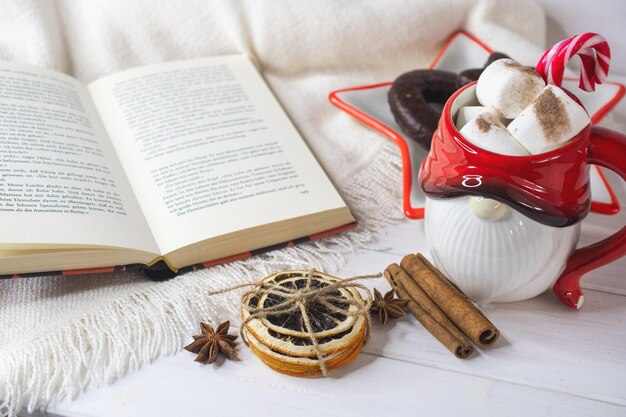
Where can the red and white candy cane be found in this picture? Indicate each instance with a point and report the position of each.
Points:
(594, 53)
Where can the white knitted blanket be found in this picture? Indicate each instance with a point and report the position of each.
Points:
(59, 335)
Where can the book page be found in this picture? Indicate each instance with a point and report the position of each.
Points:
(208, 149)
(60, 180)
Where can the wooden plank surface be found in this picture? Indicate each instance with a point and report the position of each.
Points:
(370, 386)
(551, 361)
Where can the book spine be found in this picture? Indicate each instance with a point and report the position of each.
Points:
(159, 270)
(69, 272)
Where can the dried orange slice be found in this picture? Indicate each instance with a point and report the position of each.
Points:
(327, 320)
(335, 331)
(308, 367)
(280, 337)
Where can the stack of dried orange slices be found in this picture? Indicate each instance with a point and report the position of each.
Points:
(279, 334)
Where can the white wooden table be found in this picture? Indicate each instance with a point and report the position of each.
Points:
(549, 361)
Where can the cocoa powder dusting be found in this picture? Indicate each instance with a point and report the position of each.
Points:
(520, 68)
(527, 93)
(483, 124)
(551, 115)
(527, 89)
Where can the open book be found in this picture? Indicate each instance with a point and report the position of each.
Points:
(171, 167)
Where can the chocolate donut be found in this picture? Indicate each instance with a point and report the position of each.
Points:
(413, 94)
(467, 76)
(410, 99)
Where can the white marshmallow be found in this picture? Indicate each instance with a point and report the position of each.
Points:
(487, 131)
(467, 113)
(508, 87)
(552, 119)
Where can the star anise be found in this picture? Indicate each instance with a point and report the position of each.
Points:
(211, 342)
(387, 306)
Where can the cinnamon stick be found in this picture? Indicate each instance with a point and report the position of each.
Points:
(454, 304)
(417, 294)
(437, 324)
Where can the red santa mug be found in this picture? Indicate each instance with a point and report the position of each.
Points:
(505, 228)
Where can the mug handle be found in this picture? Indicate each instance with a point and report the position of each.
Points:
(607, 148)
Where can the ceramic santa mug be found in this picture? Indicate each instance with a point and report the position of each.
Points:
(504, 228)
